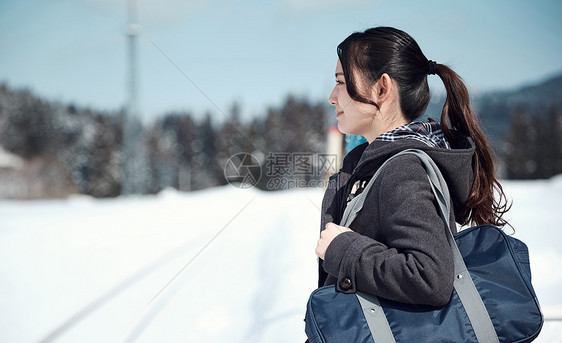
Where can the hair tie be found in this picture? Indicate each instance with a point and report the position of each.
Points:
(432, 70)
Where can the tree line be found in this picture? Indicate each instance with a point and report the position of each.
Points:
(533, 147)
(86, 148)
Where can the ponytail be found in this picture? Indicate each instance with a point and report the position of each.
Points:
(481, 207)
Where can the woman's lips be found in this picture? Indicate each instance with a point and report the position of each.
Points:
(339, 113)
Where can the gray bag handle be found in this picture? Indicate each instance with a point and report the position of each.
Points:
(463, 284)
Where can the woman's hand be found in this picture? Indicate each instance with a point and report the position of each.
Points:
(327, 236)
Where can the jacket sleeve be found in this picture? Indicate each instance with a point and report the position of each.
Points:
(412, 261)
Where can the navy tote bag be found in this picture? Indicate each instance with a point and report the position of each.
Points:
(492, 301)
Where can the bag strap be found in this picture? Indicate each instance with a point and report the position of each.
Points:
(463, 284)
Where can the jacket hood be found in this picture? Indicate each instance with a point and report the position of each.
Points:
(455, 164)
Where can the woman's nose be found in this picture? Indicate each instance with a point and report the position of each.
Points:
(333, 99)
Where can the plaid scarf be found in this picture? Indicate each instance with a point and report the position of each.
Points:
(429, 133)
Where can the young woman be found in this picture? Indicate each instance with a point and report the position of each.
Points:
(396, 248)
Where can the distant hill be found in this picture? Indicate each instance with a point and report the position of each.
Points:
(497, 108)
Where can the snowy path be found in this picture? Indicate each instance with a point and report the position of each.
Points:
(85, 270)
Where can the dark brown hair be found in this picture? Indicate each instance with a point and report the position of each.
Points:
(388, 50)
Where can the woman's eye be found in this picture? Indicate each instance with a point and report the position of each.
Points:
(338, 82)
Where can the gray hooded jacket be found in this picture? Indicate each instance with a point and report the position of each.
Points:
(398, 249)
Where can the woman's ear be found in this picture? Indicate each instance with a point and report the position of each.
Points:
(383, 89)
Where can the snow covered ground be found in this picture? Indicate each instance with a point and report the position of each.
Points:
(140, 269)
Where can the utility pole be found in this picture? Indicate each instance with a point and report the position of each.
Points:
(133, 176)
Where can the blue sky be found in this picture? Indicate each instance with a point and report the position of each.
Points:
(256, 52)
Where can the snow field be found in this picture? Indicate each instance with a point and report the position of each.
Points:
(86, 270)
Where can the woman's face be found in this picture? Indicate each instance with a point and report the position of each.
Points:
(354, 118)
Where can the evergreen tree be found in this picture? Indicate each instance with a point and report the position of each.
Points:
(534, 146)
(27, 126)
(104, 165)
(549, 144)
(520, 159)
(206, 168)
